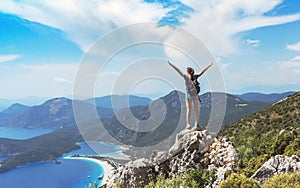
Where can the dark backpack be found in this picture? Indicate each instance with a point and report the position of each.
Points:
(193, 86)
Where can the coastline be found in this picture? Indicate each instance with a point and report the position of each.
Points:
(117, 155)
(107, 168)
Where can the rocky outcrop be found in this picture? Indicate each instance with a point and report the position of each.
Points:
(276, 165)
(222, 158)
(192, 150)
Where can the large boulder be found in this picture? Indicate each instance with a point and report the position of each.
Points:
(276, 165)
(192, 150)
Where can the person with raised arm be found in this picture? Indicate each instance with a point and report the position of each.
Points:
(192, 91)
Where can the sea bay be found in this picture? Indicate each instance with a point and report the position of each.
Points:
(69, 173)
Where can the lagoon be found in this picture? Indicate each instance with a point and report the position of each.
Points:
(70, 173)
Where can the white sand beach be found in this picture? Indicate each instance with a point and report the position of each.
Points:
(108, 169)
(117, 155)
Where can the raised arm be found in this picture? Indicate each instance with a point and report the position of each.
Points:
(174, 67)
(205, 69)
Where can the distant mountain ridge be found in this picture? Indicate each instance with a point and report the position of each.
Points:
(54, 113)
(270, 98)
(4, 103)
(106, 101)
(59, 111)
(173, 120)
(13, 110)
(28, 101)
(119, 101)
(236, 108)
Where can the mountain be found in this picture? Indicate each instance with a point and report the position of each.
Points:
(4, 103)
(262, 140)
(28, 101)
(269, 98)
(147, 128)
(154, 125)
(32, 100)
(160, 121)
(119, 101)
(58, 112)
(236, 108)
(15, 109)
(272, 131)
(12, 111)
(53, 113)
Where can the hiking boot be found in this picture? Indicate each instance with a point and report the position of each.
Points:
(197, 128)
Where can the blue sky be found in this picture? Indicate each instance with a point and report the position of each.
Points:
(256, 44)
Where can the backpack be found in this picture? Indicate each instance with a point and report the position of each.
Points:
(193, 86)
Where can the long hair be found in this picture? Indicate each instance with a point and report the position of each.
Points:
(190, 70)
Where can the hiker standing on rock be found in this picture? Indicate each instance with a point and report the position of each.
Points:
(193, 89)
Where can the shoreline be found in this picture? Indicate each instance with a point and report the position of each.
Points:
(119, 154)
(107, 168)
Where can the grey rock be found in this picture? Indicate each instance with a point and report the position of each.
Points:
(276, 165)
(192, 150)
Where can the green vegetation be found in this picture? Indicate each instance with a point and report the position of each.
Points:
(192, 179)
(236, 108)
(284, 180)
(239, 181)
(279, 181)
(62, 141)
(271, 131)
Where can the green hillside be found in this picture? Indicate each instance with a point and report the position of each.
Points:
(271, 131)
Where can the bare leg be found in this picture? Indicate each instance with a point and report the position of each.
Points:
(196, 110)
(188, 111)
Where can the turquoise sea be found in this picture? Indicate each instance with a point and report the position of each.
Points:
(69, 174)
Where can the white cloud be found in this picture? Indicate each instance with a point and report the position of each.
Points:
(216, 22)
(47, 80)
(265, 75)
(253, 43)
(62, 80)
(294, 47)
(297, 58)
(293, 65)
(9, 57)
(85, 21)
(224, 66)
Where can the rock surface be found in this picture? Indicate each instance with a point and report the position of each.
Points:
(192, 150)
(276, 165)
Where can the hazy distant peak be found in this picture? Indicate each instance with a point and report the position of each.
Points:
(15, 108)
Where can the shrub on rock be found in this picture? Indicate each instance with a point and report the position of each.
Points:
(239, 181)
